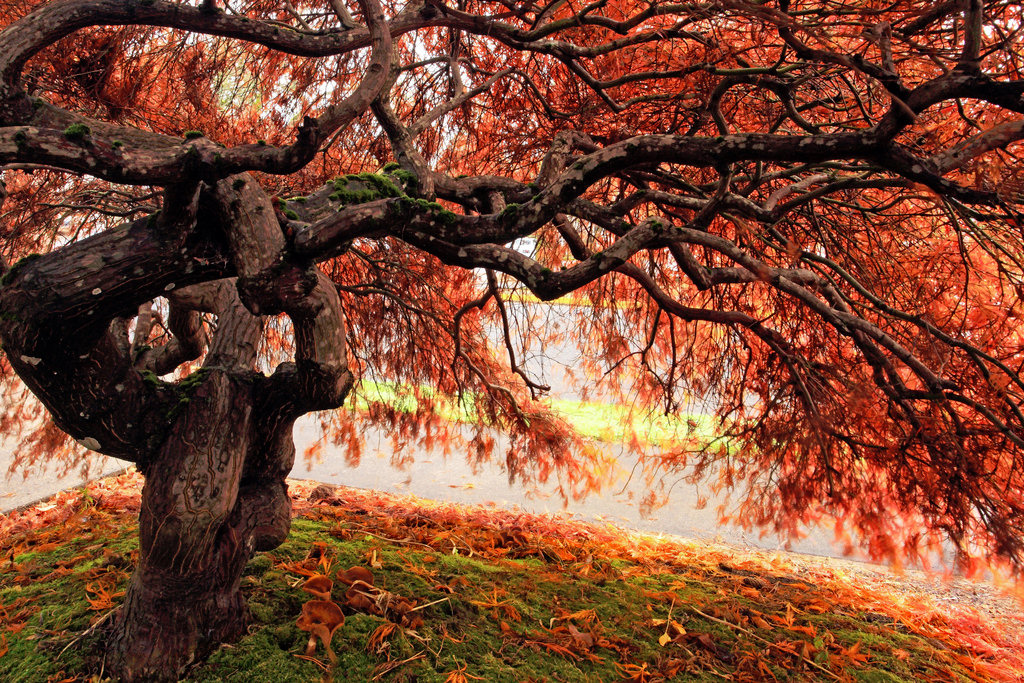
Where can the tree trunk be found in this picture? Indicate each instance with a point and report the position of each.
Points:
(215, 446)
(205, 509)
(168, 621)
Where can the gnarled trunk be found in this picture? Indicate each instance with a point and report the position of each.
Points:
(171, 620)
(215, 446)
(198, 527)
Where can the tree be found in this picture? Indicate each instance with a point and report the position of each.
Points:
(811, 211)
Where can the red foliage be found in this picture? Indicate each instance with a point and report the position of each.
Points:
(847, 305)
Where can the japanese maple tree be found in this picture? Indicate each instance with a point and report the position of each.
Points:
(218, 215)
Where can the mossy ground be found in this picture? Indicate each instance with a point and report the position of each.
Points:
(503, 596)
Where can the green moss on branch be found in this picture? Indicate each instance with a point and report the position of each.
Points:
(13, 272)
(77, 132)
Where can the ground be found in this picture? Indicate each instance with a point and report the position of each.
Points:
(466, 593)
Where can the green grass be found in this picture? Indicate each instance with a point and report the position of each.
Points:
(600, 421)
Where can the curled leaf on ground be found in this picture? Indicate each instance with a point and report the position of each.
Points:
(405, 610)
(377, 641)
(104, 597)
(319, 550)
(359, 600)
(459, 675)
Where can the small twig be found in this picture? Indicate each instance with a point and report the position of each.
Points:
(314, 660)
(361, 530)
(87, 632)
(668, 621)
(817, 666)
(391, 666)
(467, 547)
(392, 540)
(415, 636)
(298, 17)
(416, 609)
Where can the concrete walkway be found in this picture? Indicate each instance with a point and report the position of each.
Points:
(432, 475)
(25, 488)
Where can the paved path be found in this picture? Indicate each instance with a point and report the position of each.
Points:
(43, 481)
(434, 476)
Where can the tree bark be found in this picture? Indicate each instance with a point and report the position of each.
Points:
(200, 523)
(215, 446)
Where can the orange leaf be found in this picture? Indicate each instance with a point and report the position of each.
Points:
(104, 599)
(380, 635)
(459, 675)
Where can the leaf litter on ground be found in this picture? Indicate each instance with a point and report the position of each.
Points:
(428, 591)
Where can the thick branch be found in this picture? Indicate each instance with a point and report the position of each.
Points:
(79, 148)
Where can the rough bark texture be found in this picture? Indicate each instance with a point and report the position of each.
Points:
(201, 520)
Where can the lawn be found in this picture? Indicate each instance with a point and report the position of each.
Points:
(609, 422)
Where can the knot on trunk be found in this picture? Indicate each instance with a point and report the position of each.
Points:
(264, 513)
(284, 287)
(326, 386)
